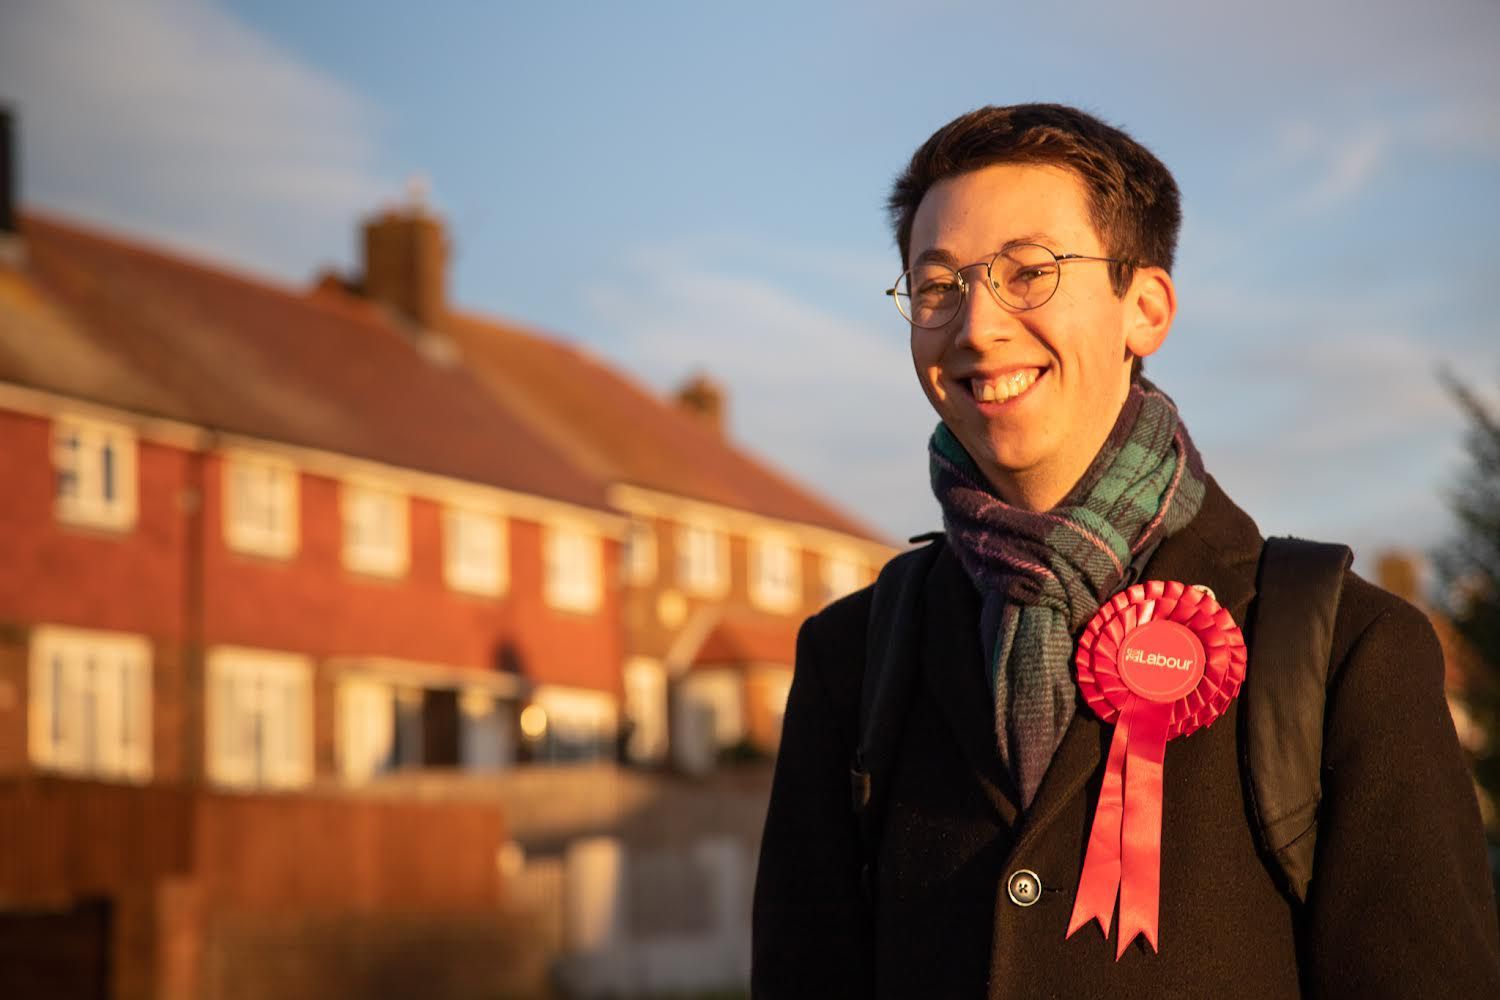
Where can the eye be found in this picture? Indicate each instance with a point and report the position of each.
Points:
(1028, 274)
(937, 286)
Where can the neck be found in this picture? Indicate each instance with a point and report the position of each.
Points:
(1033, 489)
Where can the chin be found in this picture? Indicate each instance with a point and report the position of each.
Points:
(1013, 457)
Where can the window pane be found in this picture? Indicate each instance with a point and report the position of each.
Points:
(57, 702)
(67, 465)
(125, 689)
(88, 705)
(107, 471)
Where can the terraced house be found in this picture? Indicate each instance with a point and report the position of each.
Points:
(269, 548)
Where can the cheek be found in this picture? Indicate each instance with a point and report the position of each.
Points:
(926, 358)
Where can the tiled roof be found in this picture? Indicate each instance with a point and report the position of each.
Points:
(618, 429)
(749, 637)
(110, 321)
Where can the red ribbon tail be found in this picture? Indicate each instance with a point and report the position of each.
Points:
(1140, 847)
(1100, 881)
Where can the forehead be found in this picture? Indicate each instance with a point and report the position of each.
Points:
(974, 214)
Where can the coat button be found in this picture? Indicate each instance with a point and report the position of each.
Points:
(1024, 887)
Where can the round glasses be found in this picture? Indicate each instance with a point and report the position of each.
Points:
(1022, 276)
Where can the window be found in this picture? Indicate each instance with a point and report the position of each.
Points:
(702, 559)
(572, 568)
(374, 530)
(90, 703)
(843, 573)
(387, 725)
(474, 551)
(570, 724)
(366, 728)
(646, 708)
(95, 467)
(775, 573)
(259, 718)
(260, 505)
(640, 553)
(717, 695)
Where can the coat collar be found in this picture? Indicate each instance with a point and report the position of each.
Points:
(1219, 549)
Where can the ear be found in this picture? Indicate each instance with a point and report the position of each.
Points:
(1151, 303)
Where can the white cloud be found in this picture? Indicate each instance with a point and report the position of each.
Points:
(1347, 169)
(174, 119)
(1323, 414)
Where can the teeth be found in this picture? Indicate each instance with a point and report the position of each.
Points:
(1006, 387)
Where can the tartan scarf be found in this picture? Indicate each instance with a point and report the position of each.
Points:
(1043, 574)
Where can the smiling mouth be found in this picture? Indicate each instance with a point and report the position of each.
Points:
(1004, 388)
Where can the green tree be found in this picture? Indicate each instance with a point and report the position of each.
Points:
(1469, 568)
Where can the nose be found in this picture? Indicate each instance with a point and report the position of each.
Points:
(981, 320)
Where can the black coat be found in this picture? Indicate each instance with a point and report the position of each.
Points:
(1401, 903)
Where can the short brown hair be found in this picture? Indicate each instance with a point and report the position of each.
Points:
(1134, 203)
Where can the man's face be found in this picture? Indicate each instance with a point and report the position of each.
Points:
(1059, 373)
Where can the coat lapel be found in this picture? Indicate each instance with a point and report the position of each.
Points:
(953, 665)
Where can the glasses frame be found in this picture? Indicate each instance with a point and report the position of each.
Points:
(989, 279)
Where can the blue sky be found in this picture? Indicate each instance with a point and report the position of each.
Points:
(700, 186)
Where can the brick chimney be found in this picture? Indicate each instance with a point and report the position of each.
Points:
(1400, 573)
(406, 260)
(702, 397)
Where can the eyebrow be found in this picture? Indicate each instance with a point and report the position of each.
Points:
(936, 255)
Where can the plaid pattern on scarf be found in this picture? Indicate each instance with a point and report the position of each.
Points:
(1043, 574)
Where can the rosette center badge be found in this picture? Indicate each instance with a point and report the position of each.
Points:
(1161, 660)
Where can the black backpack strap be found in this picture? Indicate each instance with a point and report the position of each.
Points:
(1282, 702)
(891, 657)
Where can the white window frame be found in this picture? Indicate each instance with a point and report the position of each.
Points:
(723, 689)
(90, 703)
(366, 550)
(366, 709)
(259, 718)
(646, 708)
(703, 558)
(572, 561)
(476, 551)
(580, 714)
(261, 504)
(640, 553)
(775, 572)
(842, 572)
(79, 448)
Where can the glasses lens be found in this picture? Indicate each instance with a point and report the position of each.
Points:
(1024, 276)
(929, 295)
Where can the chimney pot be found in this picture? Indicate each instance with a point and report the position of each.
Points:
(704, 399)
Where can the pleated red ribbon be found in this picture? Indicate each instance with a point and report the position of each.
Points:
(1159, 660)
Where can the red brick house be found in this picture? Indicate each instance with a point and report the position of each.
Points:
(258, 542)
(724, 557)
(263, 545)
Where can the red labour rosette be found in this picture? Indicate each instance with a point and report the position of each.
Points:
(1159, 660)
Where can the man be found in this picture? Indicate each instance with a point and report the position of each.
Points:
(1037, 244)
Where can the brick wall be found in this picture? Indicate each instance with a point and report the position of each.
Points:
(131, 581)
(311, 603)
(180, 866)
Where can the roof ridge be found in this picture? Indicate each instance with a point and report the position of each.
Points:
(682, 423)
(229, 351)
